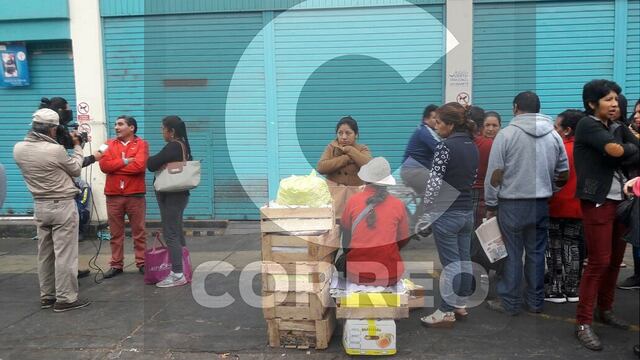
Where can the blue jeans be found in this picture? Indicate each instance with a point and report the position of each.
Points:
(525, 226)
(452, 232)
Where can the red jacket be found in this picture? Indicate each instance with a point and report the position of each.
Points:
(374, 258)
(564, 203)
(484, 149)
(125, 179)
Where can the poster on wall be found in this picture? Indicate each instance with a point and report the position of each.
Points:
(14, 69)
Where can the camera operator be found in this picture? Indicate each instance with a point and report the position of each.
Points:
(64, 138)
(48, 171)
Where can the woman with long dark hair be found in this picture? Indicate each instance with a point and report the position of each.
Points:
(599, 161)
(172, 204)
(449, 210)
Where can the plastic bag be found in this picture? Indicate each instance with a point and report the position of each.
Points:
(309, 190)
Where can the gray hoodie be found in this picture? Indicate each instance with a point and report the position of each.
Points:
(531, 156)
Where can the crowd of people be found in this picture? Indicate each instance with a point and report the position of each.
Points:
(556, 187)
(49, 172)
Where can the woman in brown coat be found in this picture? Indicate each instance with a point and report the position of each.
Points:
(341, 162)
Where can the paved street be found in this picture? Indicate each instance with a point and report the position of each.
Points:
(130, 320)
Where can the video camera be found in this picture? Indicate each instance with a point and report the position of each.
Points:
(64, 137)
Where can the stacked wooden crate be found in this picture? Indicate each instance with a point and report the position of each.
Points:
(298, 249)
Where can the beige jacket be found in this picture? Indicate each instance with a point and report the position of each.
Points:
(47, 168)
(342, 167)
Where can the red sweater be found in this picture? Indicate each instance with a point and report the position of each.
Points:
(484, 149)
(374, 258)
(564, 203)
(125, 179)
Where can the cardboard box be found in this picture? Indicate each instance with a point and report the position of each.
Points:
(369, 337)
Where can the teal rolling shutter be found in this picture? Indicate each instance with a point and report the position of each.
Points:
(182, 65)
(632, 88)
(51, 70)
(552, 48)
(350, 81)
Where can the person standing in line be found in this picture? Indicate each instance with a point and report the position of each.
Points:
(125, 163)
(564, 254)
(172, 204)
(527, 164)
(449, 210)
(48, 171)
(599, 159)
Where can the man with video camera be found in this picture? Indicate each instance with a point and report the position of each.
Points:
(48, 171)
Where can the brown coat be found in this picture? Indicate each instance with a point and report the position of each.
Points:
(341, 167)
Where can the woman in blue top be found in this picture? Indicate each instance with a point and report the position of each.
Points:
(449, 209)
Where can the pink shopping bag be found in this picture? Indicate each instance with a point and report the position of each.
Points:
(157, 263)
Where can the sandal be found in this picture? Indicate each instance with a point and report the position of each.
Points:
(439, 319)
(588, 338)
(461, 313)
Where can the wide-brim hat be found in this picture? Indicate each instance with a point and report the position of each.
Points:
(377, 171)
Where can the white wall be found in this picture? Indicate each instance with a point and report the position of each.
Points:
(459, 61)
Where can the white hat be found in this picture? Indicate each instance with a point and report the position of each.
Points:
(46, 116)
(377, 171)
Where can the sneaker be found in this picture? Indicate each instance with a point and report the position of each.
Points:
(496, 305)
(623, 265)
(572, 297)
(556, 298)
(630, 283)
(112, 272)
(47, 303)
(62, 307)
(439, 319)
(172, 280)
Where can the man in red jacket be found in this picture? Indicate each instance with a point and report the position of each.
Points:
(125, 162)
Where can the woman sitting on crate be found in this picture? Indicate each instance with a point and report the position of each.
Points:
(341, 161)
(377, 225)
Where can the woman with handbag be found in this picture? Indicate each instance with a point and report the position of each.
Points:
(341, 161)
(379, 228)
(599, 159)
(172, 204)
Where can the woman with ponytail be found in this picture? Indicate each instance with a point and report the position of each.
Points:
(172, 204)
(449, 210)
(378, 226)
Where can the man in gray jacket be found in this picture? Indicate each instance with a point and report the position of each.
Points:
(48, 172)
(527, 164)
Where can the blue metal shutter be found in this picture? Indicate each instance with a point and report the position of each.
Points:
(376, 95)
(552, 48)
(181, 65)
(632, 88)
(51, 68)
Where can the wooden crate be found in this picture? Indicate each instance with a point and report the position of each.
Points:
(289, 247)
(417, 299)
(275, 220)
(296, 277)
(302, 334)
(297, 305)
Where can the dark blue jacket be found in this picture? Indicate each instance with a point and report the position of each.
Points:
(421, 147)
(453, 172)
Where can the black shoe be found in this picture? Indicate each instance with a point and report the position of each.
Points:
(607, 318)
(630, 283)
(572, 297)
(112, 272)
(62, 307)
(588, 338)
(141, 269)
(83, 273)
(47, 303)
(636, 350)
(555, 297)
(496, 305)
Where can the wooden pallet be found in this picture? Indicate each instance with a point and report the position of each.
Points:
(296, 277)
(277, 220)
(297, 305)
(302, 334)
(290, 247)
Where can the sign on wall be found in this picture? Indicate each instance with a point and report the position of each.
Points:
(14, 68)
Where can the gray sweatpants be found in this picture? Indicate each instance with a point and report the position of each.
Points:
(172, 205)
(57, 222)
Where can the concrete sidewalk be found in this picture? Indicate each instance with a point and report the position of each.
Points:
(130, 320)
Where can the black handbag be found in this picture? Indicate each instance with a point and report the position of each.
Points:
(624, 210)
(341, 261)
